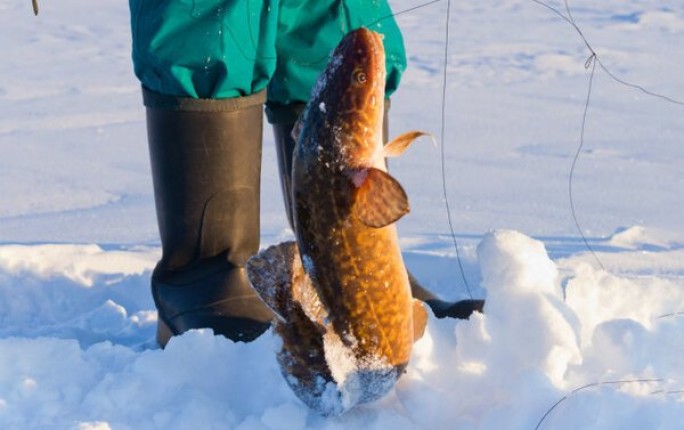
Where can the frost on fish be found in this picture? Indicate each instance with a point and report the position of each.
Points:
(323, 370)
(322, 81)
(344, 304)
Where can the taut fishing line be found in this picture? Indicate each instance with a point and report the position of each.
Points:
(445, 195)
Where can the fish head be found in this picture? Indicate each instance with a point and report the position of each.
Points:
(348, 99)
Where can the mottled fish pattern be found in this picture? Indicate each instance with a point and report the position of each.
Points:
(341, 293)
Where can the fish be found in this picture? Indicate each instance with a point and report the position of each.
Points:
(340, 293)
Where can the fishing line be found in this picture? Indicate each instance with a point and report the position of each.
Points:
(443, 108)
(592, 385)
(570, 19)
(445, 195)
(591, 62)
(238, 41)
(671, 314)
(321, 58)
(668, 392)
(401, 12)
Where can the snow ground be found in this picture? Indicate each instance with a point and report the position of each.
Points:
(78, 235)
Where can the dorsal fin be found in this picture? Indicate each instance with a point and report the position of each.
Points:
(400, 143)
(379, 200)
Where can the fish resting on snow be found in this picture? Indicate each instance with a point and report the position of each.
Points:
(341, 292)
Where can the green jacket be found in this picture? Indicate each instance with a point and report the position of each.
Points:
(231, 48)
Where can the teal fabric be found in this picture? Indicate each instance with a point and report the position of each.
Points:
(308, 31)
(203, 48)
(232, 48)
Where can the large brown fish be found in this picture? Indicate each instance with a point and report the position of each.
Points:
(341, 293)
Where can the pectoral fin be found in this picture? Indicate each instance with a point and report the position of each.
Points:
(420, 319)
(400, 143)
(379, 199)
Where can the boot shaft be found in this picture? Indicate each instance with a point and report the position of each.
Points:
(206, 165)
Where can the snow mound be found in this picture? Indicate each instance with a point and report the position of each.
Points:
(78, 263)
(81, 355)
(639, 237)
(527, 326)
(79, 292)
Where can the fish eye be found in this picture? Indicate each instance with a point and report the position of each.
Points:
(359, 77)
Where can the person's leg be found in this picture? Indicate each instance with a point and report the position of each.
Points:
(204, 66)
(282, 120)
(206, 158)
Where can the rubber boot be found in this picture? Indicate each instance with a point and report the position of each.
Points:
(283, 119)
(461, 309)
(206, 166)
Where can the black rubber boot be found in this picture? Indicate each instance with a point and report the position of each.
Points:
(283, 119)
(461, 309)
(206, 166)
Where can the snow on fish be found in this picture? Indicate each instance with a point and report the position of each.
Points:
(341, 293)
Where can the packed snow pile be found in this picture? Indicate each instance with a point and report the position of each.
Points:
(543, 334)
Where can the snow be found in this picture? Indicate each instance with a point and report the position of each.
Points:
(78, 236)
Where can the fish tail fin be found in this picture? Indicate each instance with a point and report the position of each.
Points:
(277, 275)
(271, 273)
